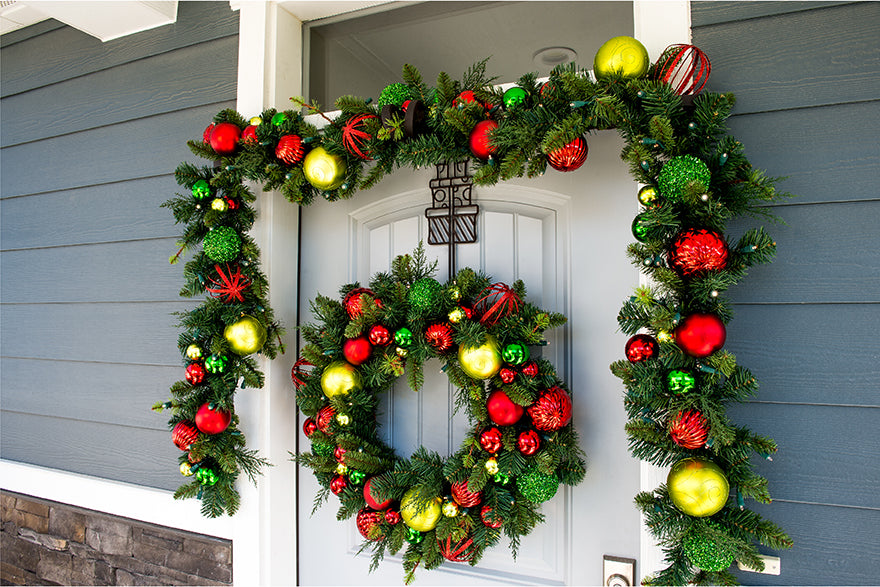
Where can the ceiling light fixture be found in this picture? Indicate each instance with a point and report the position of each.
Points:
(550, 57)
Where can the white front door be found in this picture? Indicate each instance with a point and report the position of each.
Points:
(565, 236)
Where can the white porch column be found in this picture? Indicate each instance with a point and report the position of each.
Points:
(264, 530)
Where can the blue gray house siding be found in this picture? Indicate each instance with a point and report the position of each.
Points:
(807, 80)
(91, 133)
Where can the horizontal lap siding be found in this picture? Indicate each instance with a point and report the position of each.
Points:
(807, 80)
(91, 134)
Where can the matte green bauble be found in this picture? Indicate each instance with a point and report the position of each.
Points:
(222, 244)
(705, 554)
(678, 172)
(698, 487)
(420, 516)
(623, 56)
(339, 378)
(424, 294)
(245, 336)
(395, 94)
(536, 486)
(324, 170)
(480, 362)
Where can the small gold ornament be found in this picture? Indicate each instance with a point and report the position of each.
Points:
(343, 419)
(648, 196)
(664, 336)
(194, 352)
(697, 487)
(456, 315)
(481, 362)
(422, 519)
(623, 56)
(401, 352)
(323, 170)
(450, 508)
(341, 469)
(219, 204)
(492, 466)
(245, 336)
(186, 469)
(339, 378)
(256, 120)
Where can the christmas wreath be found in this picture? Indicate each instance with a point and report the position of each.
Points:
(677, 373)
(521, 444)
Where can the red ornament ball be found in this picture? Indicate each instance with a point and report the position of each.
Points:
(641, 347)
(570, 156)
(366, 521)
(684, 67)
(339, 454)
(552, 409)
(184, 435)
(490, 518)
(531, 369)
(490, 440)
(697, 250)
(324, 418)
(249, 134)
(309, 427)
(357, 350)
(212, 420)
(195, 373)
(464, 496)
(352, 301)
(372, 501)
(502, 410)
(290, 149)
(379, 335)
(468, 97)
(528, 442)
(439, 336)
(689, 429)
(479, 139)
(700, 335)
(507, 374)
(224, 137)
(338, 484)
(206, 135)
(392, 517)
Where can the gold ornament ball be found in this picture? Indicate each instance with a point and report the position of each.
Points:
(256, 120)
(245, 336)
(481, 362)
(339, 378)
(343, 419)
(492, 466)
(186, 469)
(450, 508)
(624, 56)
(423, 519)
(324, 171)
(697, 487)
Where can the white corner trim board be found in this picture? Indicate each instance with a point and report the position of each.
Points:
(144, 504)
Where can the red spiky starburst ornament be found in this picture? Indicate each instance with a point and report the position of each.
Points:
(230, 286)
(354, 137)
(439, 336)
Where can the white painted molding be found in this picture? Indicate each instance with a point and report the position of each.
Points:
(144, 504)
(104, 19)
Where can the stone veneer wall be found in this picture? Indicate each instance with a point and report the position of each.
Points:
(49, 543)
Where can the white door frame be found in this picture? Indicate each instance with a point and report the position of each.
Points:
(270, 71)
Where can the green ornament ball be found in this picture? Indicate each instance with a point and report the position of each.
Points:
(424, 294)
(536, 486)
(201, 189)
(323, 449)
(514, 97)
(279, 118)
(356, 477)
(395, 94)
(216, 364)
(516, 353)
(680, 381)
(640, 228)
(413, 536)
(403, 337)
(705, 553)
(678, 173)
(206, 476)
(222, 244)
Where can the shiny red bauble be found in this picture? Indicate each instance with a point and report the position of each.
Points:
(641, 347)
(700, 335)
(464, 496)
(371, 501)
(528, 442)
(184, 435)
(324, 418)
(552, 409)
(530, 370)
(357, 350)
(290, 149)
(352, 301)
(212, 420)
(366, 520)
(502, 410)
(338, 484)
(309, 427)
(697, 250)
(490, 518)
(507, 374)
(570, 156)
(479, 139)
(249, 134)
(392, 517)
(339, 454)
(224, 137)
(490, 440)
(195, 373)
(379, 335)
(206, 135)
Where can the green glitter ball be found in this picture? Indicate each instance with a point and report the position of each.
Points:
(424, 294)
(536, 486)
(395, 94)
(678, 172)
(201, 189)
(680, 381)
(705, 554)
(323, 449)
(222, 244)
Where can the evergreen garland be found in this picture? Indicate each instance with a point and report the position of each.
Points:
(708, 182)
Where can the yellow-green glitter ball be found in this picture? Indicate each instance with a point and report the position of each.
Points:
(186, 469)
(705, 554)
(536, 486)
(678, 172)
(222, 244)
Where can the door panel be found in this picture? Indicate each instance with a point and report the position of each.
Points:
(560, 234)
